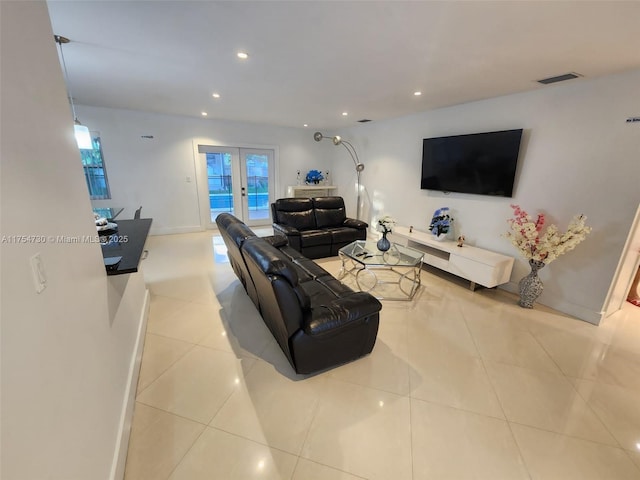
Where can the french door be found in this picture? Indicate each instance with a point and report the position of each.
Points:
(239, 181)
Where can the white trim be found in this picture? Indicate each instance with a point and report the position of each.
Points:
(630, 256)
(126, 417)
(560, 305)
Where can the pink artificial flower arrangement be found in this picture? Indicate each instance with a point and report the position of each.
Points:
(527, 236)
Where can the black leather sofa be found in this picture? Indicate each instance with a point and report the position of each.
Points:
(318, 322)
(316, 227)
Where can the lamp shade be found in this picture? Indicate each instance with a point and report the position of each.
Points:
(83, 137)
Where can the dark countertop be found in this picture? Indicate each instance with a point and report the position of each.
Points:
(128, 243)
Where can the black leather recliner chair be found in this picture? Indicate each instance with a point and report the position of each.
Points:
(317, 321)
(316, 227)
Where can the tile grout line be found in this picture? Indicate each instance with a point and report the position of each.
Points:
(186, 452)
(616, 447)
(409, 395)
(233, 390)
(138, 393)
(511, 422)
(314, 415)
(566, 377)
(406, 333)
(630, 457)
(495, 392)
(172, 413)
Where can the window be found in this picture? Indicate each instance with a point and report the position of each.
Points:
(95, 171)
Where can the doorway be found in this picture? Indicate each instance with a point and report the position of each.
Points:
(626, 271)
(236, 180)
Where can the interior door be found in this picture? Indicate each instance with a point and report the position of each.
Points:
(238, 181)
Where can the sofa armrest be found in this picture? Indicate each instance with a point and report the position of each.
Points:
(277, 240)
(327, 319)
(285, 230)
(353, 223)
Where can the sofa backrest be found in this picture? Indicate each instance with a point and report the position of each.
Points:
(282, 301)
(294, 212)
(223, 220)
(329, 211)
(234, 233)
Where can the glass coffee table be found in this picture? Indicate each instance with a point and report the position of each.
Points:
(390, 275)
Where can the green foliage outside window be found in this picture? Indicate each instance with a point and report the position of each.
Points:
(94, 170)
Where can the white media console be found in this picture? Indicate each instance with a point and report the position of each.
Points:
(483, 267)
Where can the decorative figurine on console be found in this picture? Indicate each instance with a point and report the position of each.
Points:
(441, 224)
(314, 177)
(461, 240)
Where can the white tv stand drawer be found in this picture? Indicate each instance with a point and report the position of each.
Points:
(477, 265)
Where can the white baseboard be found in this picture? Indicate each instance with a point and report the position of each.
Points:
(562, 306)
(128, 404)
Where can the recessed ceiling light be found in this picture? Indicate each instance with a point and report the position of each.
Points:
(204, 114)
(243, 55)
(216, 95)
(344, 114)
(417, 94)
(305, 125)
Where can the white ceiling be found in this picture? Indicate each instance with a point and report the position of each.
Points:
(310, 61)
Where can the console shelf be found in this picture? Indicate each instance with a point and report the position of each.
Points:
(477, 265)
(310, 191)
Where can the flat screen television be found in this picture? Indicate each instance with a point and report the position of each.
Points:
(478, 163)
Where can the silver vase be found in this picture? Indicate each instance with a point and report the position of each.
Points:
(531, 286)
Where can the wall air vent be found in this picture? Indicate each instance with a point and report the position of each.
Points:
(559, 78)
(364, 120)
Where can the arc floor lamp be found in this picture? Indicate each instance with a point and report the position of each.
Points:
(337, 140)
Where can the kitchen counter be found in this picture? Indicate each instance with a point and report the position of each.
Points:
(128, 243)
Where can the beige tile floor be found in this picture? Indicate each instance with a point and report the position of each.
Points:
(460, 385)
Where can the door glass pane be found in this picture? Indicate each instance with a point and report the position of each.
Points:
(257, 168)
(219, 181)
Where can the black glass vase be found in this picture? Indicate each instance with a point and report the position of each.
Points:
(384, 244)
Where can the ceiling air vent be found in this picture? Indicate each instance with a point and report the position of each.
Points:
(559, 78)
(364, 120)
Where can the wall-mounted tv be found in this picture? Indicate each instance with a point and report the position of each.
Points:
(479, 163)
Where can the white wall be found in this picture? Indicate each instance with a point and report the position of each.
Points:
(578, 156)
(153, 172)
(68, 353)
